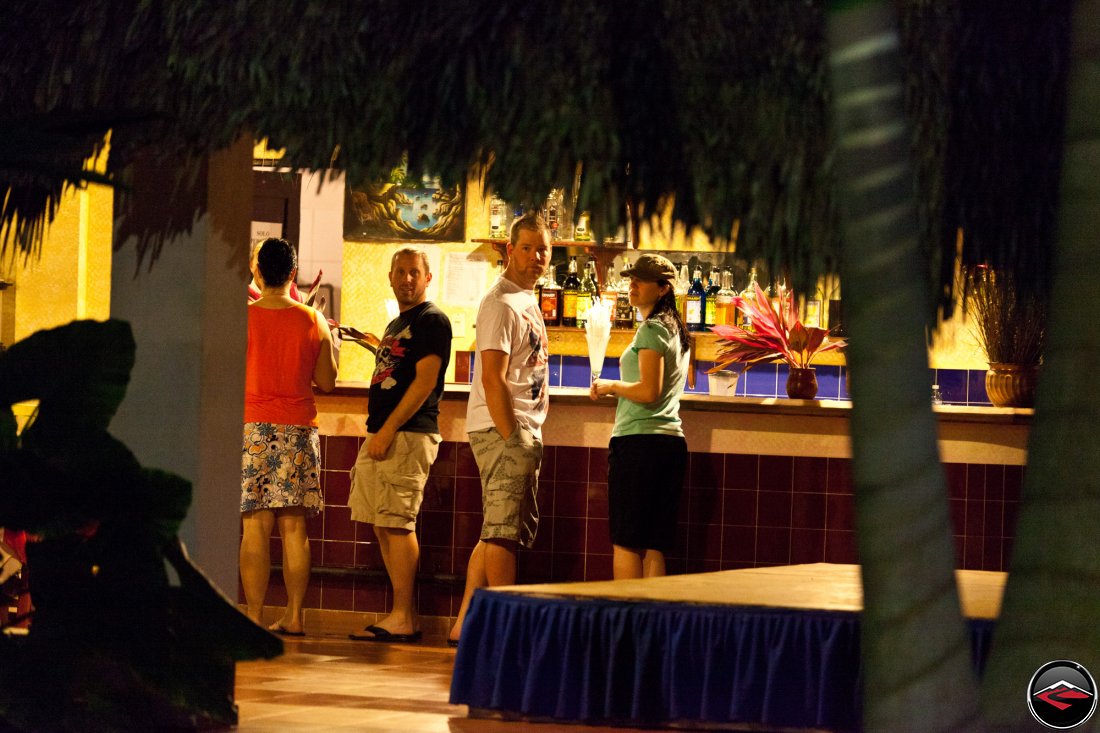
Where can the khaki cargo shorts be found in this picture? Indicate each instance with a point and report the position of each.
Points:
(388, 493)
(509, 481)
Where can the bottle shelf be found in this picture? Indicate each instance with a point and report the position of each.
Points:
(500, 243)
(569, 341)
(603, 253)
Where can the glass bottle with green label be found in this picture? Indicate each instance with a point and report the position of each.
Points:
(589, 290)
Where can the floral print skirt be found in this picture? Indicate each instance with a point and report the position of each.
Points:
(280, 468)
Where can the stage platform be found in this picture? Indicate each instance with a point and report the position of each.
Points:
(775, 646)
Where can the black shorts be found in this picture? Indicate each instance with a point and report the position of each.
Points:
(645, 474)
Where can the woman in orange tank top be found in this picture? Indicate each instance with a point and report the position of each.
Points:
(289, 350)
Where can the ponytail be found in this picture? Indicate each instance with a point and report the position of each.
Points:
(666, 313)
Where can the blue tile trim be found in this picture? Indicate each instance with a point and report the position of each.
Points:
(575, 371)
(828, 382)
(702, 381)
(761, 381)
(952, 385)
(975, 388)
(555, 371)
(610, 369)
(957, 386)
(843, 386)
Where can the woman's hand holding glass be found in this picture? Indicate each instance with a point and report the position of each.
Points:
(601, 388)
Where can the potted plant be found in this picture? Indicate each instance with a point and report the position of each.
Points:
(1010, 325)
(775, 333)
(114, 643)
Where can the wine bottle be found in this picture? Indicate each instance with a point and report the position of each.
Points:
(588, 291)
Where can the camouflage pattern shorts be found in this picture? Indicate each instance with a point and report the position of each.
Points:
(509, 481)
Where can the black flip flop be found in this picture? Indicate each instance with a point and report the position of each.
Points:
(453, 643)
(283, 631)
(385, 637)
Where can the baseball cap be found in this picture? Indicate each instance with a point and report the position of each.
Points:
(652, 268)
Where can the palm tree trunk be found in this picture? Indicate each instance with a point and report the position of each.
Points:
(916, 655)
(1051, 608)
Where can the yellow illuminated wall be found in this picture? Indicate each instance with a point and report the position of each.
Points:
(955, 346)
(261, 153)
(72, 278)
(366, 288)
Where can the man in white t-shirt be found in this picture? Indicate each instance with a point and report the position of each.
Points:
(508, 400)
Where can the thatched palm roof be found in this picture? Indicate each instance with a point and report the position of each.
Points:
(723, 105)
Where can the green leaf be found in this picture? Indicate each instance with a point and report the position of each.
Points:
(78, 372)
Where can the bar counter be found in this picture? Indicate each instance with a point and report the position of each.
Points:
(768, 483)
(750, 425)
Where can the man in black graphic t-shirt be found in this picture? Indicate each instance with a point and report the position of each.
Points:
(387, 481)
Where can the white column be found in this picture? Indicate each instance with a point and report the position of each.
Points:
(184, 407)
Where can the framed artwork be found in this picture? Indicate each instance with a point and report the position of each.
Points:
(388, 212)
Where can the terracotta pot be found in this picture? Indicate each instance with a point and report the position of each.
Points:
(802, 383)
(1011, 385)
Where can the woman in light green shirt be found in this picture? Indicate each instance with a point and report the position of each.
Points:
(647, 456)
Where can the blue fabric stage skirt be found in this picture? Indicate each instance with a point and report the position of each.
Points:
(610, 661)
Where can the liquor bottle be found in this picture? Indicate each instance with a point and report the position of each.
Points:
(695, 303)
(710, 310)
(836, 319)
(609, 293)
(581, 233)
(589, 291)
(497, 209)
(777, 293)
(550, 300)
(553, 211)
(723, 301)
(811, 315)
(680, 288)
(749, 294)
(569, 295)
(624, 311)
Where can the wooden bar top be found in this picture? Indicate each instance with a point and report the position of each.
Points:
(747, 425)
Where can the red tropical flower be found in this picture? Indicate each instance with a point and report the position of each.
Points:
(777, 334)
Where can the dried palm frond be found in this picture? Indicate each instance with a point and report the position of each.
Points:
(40, 159)
(1010, 324)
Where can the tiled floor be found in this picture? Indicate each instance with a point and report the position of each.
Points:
(326, 683)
